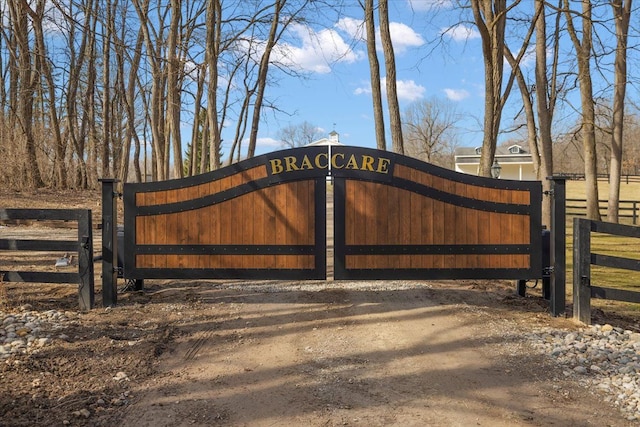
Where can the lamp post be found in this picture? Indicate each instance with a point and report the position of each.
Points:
(495, 169)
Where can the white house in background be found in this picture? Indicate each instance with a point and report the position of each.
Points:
(515, 162)
(334, 139)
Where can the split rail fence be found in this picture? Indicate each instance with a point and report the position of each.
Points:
(82, 248)
(583, 259)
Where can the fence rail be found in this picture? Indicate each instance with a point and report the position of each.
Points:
(626, 179)
(629, 209)
(83, 247)
(583, 258)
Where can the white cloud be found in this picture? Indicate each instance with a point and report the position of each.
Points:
(353, 27)
(364, 90)
(268, 142)
(408, 90)
(456, 94)
(461, 32)
(403, 37)
(314, 51)
(428, 5)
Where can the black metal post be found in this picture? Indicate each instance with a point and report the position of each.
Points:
(109, 243)
(558, 285)
(582, 270)
(86, 285)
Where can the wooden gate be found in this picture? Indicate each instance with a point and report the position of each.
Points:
(409, 219)
(395, 217)
(242, 221)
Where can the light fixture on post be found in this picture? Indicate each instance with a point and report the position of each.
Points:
(495, 169)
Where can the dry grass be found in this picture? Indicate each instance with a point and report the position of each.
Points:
(626, 247)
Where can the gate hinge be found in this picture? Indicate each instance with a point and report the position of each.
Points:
(584, 281)
(548, 270)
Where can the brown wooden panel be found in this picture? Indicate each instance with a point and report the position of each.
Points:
(438, 183)
(280, 226)
(234, 222)
(394, 221)
(382, 218)
(419, 220)
(268, 196)
(461, 228)
(225, 261)
(152, 198)
(432, 261)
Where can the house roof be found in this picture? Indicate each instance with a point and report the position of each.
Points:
(334, 139)
(512, 154)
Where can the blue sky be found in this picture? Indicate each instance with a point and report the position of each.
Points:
(336, 94)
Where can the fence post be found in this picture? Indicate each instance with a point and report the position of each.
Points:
(86, 286)
(582, 270)
(557, 303)
(109, 243)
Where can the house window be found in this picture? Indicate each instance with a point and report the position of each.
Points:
(515, 149)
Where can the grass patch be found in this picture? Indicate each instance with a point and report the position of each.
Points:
(606, 244)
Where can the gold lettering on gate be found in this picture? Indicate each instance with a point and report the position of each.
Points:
(337, 161)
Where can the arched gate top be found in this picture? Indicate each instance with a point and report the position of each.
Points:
(323, 161)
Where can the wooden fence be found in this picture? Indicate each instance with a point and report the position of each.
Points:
(626, 179)
(583, 258)
(628, 210)
(82, 248)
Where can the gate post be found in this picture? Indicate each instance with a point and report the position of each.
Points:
(109, 243)
(86, 293)
(582, 270)
(558, 246)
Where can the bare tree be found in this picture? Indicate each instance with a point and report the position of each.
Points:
(26, 86)
(546, 97)
(429, 129)
(213, 52)
(395, 121)
(583, 46)
(622, 17)
(174, 71)
(374, 72)
(154, 42)
(490, 17)
(44, 68)
(298, 135)
(129, 99)
(544, 92)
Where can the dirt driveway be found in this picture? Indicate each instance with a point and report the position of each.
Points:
(360, 354)
(282, 354)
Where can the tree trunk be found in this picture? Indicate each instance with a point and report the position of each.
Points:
(583, 54)
(374, 70)
(60, 148)
(545, 103)
(129, 99)
(395, 122)
(622, 15)
(214, 34)
(262, 77)
(490, 17)
(173, 91)
(106, 89)
(26, 88)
